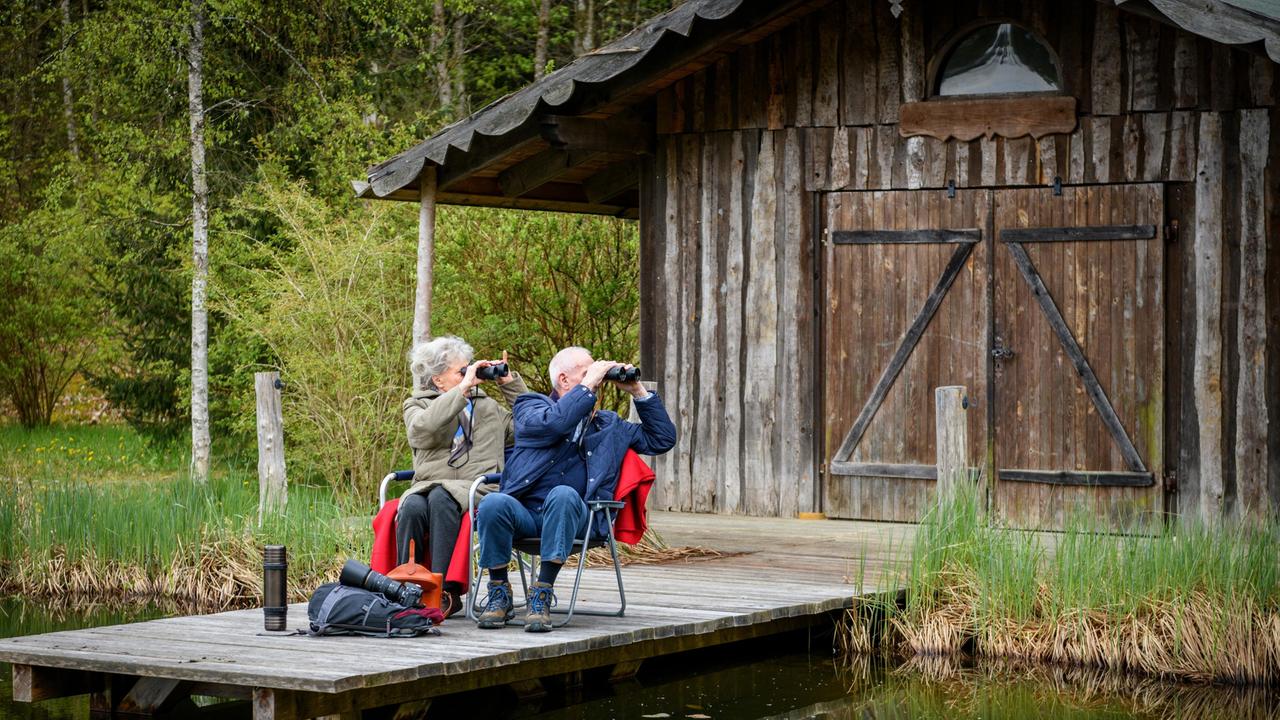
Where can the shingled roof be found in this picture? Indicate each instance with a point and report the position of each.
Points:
(572, 140)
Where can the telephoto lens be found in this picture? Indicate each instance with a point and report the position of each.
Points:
(622, 374)
(275, 568)
(357, 574)
(493, 372)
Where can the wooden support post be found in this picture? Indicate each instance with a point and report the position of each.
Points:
(273, 492)
(426, 250)
(952, 439)
(1252, 501)
(1208, 288)
(33, 684)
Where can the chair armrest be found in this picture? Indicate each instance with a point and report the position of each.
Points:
(611, 504)
(393, 476)
(475, 485)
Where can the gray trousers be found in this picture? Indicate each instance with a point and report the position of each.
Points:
(431, 520)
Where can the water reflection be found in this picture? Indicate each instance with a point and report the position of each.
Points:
(785, 677)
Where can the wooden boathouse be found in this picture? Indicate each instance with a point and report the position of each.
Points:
(1069, 208)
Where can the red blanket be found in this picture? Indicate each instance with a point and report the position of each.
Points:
(383, 558)
(635, 480)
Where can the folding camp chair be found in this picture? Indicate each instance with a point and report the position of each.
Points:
(526, 549)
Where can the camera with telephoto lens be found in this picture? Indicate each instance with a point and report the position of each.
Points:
(357, 574)
(493, 372)
(622, 374)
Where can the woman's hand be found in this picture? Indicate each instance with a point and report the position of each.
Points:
(469, 379)
(510, 375)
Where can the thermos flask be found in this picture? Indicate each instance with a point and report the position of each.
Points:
(275, 605)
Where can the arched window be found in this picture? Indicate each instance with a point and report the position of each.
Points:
(998, 59)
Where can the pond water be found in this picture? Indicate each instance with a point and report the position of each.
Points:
(792, 676)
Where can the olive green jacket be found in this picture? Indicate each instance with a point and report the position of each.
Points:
(431, 421)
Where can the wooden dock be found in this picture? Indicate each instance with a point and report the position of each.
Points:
(783, 575)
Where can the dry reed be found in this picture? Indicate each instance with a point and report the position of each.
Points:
(1197, 604)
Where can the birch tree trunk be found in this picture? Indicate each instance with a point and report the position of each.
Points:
(444, 86)
(200, 252)
(584, 24)
(459, 67)
(544, 38)
(68, 108)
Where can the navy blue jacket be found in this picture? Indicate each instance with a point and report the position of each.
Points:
(543, 425)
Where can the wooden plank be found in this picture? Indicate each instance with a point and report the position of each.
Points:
(888, 81)
(889, 470)
(1155, 142)
(1105, 61)
(826, 96)
(1252, 497)
(861, 144)
(1186, 71)
(1100, 146)
(761, 336)
(952, 442)
(1261, 81)
(1130, 145)
(911, 27)
(1208, 320)
(686, 417)
(1142, 36)
(904, 350)
(671, 272)
(879, 237)
(729, 495)
(776, 103)
(1017, 159)
(858, 96)
(796, 452)
(708, 432)
(839, 175)
(886, 137)
(1078, 234)
(1182, 147)
(540, 170)
(915, 163)
(1008, 117)
(804, 36)
(1089, 479)
(1069, 344)
(611, 182)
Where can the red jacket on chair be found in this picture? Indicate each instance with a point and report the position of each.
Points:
(383, 558)
(635, 480)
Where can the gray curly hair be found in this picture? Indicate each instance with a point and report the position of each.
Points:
(428, 359)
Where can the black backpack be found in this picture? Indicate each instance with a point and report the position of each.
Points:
(337, 609)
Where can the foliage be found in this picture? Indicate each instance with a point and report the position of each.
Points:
(332, 302)
(532, 283)
(51, 320)
(84, 453)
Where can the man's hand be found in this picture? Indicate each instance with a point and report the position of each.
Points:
(595, 373)
(634, 387)
(510, 375)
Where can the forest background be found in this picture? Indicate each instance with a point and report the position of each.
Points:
(300, 98)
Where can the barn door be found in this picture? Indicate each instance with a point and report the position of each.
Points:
(906, 279)
(1078, 372)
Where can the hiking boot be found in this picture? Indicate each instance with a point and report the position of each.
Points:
(497, 606)
(542, 597)
(450, 602)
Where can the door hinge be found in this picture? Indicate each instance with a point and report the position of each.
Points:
(1171, 481)
(822, 469)
(1171, 232)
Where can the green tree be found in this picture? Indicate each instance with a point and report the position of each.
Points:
(51, 320)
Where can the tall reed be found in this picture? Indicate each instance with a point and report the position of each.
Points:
(1185, 601)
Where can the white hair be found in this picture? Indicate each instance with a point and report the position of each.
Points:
(428, 359)
(564, 361)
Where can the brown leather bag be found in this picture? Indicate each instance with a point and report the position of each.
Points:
(431, 582)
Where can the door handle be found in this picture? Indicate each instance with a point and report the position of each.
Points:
(999, 352)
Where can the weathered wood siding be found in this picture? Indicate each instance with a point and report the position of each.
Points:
(729, 322)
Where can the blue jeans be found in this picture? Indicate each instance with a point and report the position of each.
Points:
(501, 520)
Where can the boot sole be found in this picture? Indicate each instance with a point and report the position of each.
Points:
(495, 624)
(536, 626)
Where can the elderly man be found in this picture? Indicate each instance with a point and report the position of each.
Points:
(565, 452)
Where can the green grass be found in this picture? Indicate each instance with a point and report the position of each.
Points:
(87, 452)
(106, 508)
(1185, 599)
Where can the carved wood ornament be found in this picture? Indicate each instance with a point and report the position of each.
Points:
(1008, 117)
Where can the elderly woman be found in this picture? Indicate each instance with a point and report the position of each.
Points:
(457, 433)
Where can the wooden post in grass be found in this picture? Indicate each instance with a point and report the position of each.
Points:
(950, 426)
(273, 493)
